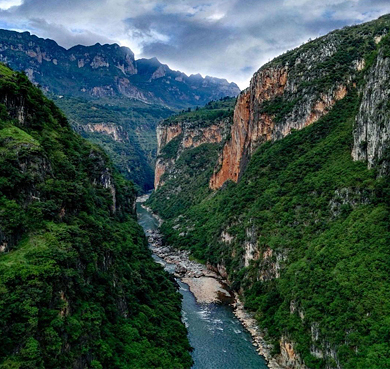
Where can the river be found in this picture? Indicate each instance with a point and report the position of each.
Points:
(217, 336)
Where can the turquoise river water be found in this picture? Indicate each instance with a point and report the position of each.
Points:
(217, 336)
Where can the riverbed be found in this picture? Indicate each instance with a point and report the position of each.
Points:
(219, 339)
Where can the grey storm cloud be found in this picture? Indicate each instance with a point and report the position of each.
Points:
(222, 38)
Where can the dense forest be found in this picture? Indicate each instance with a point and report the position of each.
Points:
(78, 285)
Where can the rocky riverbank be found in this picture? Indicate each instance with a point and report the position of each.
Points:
(208, 287)
(249, 322)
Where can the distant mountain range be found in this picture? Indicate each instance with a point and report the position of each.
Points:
(110, 97)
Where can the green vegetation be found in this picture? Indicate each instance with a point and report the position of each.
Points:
(5, 72)
(279, 107)
(133, 147)
(170, 150)
(213, 110)
(78, 286)
(190, 184)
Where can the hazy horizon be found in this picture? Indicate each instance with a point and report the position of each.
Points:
(225, 39)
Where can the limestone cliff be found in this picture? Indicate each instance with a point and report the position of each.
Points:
(190, 137)
(117, 133)
(174, 136)
(372, 125)
(282, 97)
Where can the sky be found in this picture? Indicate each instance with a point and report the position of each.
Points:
(222, 38)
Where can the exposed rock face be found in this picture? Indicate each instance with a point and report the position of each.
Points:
(251, 246)
(102, 176)
(191, 135)
(159, 73)
(116, 132)
(288, 357)
(372, 127)
(234, 149)
(165, 134)
(253, 125)
(16, 106)
(162, 166)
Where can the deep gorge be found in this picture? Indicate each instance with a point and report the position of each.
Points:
(274, 206)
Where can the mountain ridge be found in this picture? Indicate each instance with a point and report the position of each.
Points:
(97, 57)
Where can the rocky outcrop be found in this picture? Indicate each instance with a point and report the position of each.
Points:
(16, 106)
(372, 126)
(102, 176)
(166, 133)
(289, 358)
(162, 166)
(110, 129)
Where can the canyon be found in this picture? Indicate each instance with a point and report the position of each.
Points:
(267, 233)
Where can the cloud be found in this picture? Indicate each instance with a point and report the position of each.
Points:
(66, 37)
(223, 38)
(7, 4)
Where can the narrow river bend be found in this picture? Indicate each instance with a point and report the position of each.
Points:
(217, 336)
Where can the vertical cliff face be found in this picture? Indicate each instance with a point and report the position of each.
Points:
(275, 104)
(250, 127)
(372, 126)
(181, 133)
(166, 133)
(162, 166)
(188, 137)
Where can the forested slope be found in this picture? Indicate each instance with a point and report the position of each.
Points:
(78, 286)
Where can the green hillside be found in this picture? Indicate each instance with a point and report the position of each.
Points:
(78, 286)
